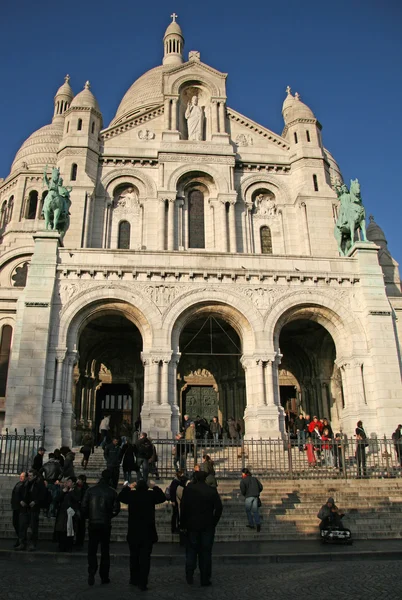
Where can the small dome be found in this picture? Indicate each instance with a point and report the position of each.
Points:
(85, 99)
(65, 89)
(146, 92)
(174, 28)
(40, 148)
(375, 233)
(293, 108)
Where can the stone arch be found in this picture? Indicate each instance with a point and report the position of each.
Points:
(233, 308)
(100, 300)
(251, 183)
(189, 78)
(344, 327)
(220, 181)
(141, 180)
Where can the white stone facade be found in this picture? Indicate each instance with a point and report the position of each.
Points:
(234, 228)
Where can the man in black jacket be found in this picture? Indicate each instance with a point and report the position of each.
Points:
(251, 488)
(32, 496)
(38, 460)
(51, 472)
(141, 534)
(144, 452)
(100, 505)
(16, 507)
(201, 509)
(112, 456)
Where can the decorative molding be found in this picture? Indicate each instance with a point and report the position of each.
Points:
(380, 313)
(37, 304)
(202, 158)
(131, 122)
(146, 134)
(72, 151)
(266, 133)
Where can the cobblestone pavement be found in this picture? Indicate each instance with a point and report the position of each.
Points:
(355, 580)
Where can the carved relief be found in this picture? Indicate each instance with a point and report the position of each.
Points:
(126, 201)
(161, 295)
(265, 205)
(263, 298)
(146, 135)
(244, 139)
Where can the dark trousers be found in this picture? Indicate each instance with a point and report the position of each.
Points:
(140, 561)
(16, 521)
(199, 545)
(29, 518)
(361, 460)
(80, 533)
(143, 469)
(96, 536)
(115, 471)
(65, 542)
(175, 519)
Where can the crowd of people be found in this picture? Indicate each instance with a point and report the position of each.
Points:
(200, 429)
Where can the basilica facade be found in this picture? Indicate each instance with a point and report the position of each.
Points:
(199, 273)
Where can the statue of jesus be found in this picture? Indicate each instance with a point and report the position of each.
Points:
(194, 118)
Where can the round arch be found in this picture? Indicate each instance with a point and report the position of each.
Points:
(220, 181)
(141, 180)
(255, 181)
(191, 79)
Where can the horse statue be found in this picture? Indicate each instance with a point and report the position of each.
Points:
(56, 207)
(351, 218)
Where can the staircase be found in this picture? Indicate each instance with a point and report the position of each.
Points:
(373, 508)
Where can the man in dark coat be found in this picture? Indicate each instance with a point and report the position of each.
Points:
(201, 509)
(112, 457)
(51, 472)
(38, 460)
(251, 488)
(141, 500)
(330, 515)
(144, 452)
(16, 507)
(32, 496)
(99, 506)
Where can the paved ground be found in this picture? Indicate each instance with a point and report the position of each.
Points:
(357, 580)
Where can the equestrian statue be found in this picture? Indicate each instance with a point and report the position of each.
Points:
(56, 207)
(351, 218)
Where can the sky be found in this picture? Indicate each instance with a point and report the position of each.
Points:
(343, 57)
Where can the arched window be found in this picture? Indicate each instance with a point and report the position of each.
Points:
(3, 214)
(315, 183)
(10, 209)
(308, 135)
(124, 235)
(67, 126)
(266, 240)
(93, 127)
(295, 136)
(196, 228)
(32, 205)
(5, 347)
(79, 125)
(73, 173)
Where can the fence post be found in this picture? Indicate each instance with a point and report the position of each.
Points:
(290, 457)
(386, 455)
(343, 455)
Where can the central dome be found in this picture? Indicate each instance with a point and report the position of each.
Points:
(145, 93)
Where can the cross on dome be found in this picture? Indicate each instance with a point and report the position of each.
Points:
(87, 85)
(288, 89)
(67, 78)
(174, 17)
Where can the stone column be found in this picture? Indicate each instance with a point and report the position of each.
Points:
(167, 114)
(269, 383)
(66, 424)
(180, 233)
(222, 117)
(165, 381)
(224, 230)
(173, 393)
(174, 114)
(161, 225)
(232, 227)
(171, 214)
(214, 116)
(156, 412)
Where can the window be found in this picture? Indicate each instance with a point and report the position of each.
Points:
(124, 235)
(5, 346)
(79, 125)
(196, 229)
(315, 183)
(32, 205)
(93, 127)
(295, 136)
(10, 209)
(308, 135)
(68, 126)
(266, 240)
(73, 174)
(3, 214)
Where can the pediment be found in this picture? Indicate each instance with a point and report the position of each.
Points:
(249, 137)
(139, 119)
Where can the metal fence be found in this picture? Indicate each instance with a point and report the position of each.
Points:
(283, 459)
(17, 450)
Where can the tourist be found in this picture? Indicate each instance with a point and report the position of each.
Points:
(397, 439)
(171, 495)
(329, 515)
(326, 425)
(301, 426)
(208, 467)
(99, 506)
(112, 457)
(327, 448)
(315, 424)
(31, 494)
(141, 499)
(81, 488)
(144, 452)
(127, 455)
(58, 456)
(37, 463)
(360, 454)
(338, 451)
(180, 453)
(104, 428)
(64, 524)
(232, 429)
(16, 507)
(68, 469)
(215, 429)
(186, 422)
(86, 448)
(201, 509)
(251, 488)
(52, 472)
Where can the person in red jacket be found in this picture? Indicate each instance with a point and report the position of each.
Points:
(315, 423)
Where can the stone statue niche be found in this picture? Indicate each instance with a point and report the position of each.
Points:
(193, 114)
(264, 204)
(125, 199)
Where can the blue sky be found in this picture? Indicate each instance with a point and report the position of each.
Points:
(343, 57)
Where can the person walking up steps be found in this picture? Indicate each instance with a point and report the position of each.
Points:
(251, 489)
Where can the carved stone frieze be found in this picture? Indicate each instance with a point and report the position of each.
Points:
(146, 134)
(200, 158)
(244, 139)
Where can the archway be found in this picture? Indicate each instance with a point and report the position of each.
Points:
(309, 380)
(109, 377)
(210, 378)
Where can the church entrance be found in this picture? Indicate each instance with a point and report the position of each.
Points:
(109, 377)
(308, 377)
(210, 377)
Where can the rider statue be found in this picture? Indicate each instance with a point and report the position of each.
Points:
(351, 218)
(56, 207)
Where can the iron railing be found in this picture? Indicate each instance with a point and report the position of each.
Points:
(283, 459)
(17, 450)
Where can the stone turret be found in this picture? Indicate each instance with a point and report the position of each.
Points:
(63, 99)
(173, 43)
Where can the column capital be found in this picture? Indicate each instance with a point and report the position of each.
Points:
(60, 354)
(73, 357)
(231, 198)
(169, 196)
